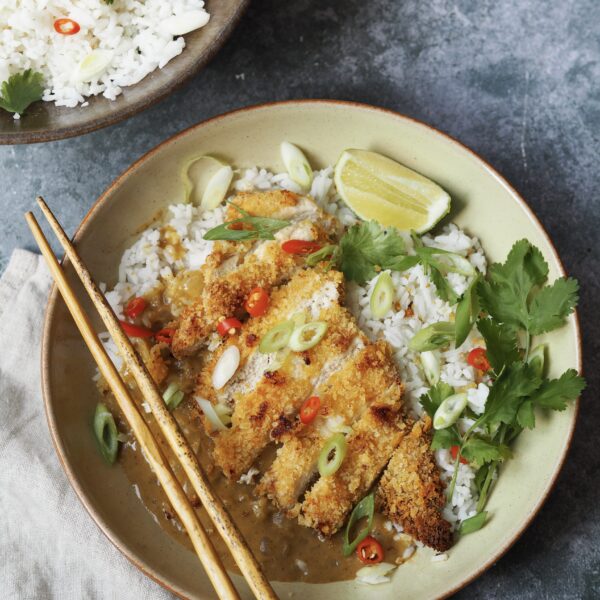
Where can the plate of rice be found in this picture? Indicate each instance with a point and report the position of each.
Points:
(71, 67)
(361, 328)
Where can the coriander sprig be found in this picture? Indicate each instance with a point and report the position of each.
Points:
(20, 90)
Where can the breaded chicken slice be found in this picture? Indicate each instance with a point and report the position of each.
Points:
(367, 376)
(234, 269)
(411, 492)
(265, 400)
(372, 441)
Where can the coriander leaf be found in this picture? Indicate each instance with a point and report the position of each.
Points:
(473, 523)
(436, 395)
(444, 289)
(500, 342)
(403, 263)
(516, 382)
(445, 438)
(366, 246)
(479, 451)
(552, 304)
(525, 415)
(555, 393)
(20, 90)
(466, 313)
(481, 476)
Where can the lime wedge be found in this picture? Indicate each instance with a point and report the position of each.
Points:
(380, 189)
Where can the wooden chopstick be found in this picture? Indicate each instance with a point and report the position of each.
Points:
(238, 547)
(202, 544)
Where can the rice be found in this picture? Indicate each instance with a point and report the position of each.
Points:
(416, 303)
(136, 36)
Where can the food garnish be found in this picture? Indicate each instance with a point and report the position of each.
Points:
(370, 551)
(332, 455)
(135, 307)
(378, 188)
(277, 337)
(454, 452)
(228, 326)
(106, 433)
(257, 302)
(165, 335)
(432, 337)
(136, 331)
(307, 336)
(217, 187)
(20, 90)
(517, 304)
(296, 164)
(92, 65)
(211, 414)
(300, 247)
(310, 409)
(382, 296)
(226, 366)
(473, 523)
(66, 26)
(430, 361)
(246, 228)
(173, 396)
(449, 410)
(365, 509)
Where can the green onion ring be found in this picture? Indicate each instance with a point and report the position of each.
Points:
(276, 338)
(449, 410)
(106, 433)
(433, 337)
(365, 508)
(307, 336)
(382, 296)
(339, 446)
(173, 396)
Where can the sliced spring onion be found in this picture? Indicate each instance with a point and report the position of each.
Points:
(328, 464)
(276, 338)
(473, 523)
(224, 413)
(430, 361)
(307, 336)
(226, 367)
(296, 164)
(375, 574)
(432, 337)
(449, 410)
(217, 187)
(449, 262)
(537, 359)
(185, 22)
(106, 432)
(382, 296)
(277, 359)
(211, 414)
(173, 396)
(299, 319)
(92, 65)
(364, 509)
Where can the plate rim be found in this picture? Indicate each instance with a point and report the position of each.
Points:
(53, 297)
(116, 116)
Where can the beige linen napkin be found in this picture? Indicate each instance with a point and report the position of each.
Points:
(49, 545)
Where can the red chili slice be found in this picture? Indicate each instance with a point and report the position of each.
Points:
(135, 307)
(300, 247)
(454, 454)
(477, 358)
(165, 335)
(66, 26)
(370, 551)
(136, 330)
(310, 409)
(228, 326)
(257, 302)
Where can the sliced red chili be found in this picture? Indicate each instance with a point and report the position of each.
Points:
(477, 358)
(165, 335)
(300, 247)
(370, 551)
(135, 307)
(136, 330)
(310, 409)
(454, 454)
(66, 26)
(228, 326)
(257, 302)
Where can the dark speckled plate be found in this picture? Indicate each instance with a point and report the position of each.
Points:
(44, 121)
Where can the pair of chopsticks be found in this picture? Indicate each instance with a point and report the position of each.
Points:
(214, 507)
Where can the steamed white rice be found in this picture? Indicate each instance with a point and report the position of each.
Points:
(135, 34)
(417, 303)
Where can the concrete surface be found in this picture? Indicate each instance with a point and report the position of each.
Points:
(517, 81)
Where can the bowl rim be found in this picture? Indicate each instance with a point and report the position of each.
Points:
(130, 110)
(53, 297)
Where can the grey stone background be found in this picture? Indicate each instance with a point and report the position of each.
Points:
(517, 81)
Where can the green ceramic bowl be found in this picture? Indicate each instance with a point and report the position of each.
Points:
(44, 121)
(483, 203)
